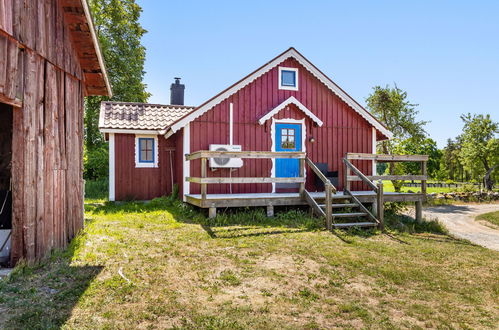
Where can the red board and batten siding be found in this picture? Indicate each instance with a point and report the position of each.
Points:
(344, 130)
(146, 183)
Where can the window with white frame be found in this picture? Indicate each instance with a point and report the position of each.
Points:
(288, 78)
(146, 151)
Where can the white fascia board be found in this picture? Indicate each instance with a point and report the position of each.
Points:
(290, 100)
(303, 61)
(130, 131)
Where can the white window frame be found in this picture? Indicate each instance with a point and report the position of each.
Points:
(288, 88)
(138, 163)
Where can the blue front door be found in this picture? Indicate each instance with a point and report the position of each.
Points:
(288, 138)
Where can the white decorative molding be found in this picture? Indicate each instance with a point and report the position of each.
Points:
(267, 67)
(130, 131)
(112, 172)
(290, 100)
(273, 146)
(288, 88)
(187, 164)
(138, 163)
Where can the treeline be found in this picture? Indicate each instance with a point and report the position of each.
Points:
(472, 156)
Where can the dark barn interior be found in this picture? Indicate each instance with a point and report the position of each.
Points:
(5, 180)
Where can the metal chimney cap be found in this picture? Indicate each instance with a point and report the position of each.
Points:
(177, 80)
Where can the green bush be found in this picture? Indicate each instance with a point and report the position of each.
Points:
(96, 189)
(95, 163)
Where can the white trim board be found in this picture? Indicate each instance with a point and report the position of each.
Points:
(290, 100)
(186, 171)
(112, 173)
(309, 66)
(272, 137)
(130, 131)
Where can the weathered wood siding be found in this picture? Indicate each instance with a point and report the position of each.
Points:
(343, 131)
(134, 183)
(41, 74)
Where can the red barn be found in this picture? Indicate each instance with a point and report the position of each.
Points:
(49, 60)
(286, 108)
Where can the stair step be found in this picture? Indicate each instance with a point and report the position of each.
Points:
(355, 224)
(349, 215)
(336, 206)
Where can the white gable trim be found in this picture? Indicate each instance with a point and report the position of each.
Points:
(309, 66)
(290, 100)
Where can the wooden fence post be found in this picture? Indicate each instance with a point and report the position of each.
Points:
(381, 206)
(302, 175)
(329, 208)
(423, 182)
(203, 175)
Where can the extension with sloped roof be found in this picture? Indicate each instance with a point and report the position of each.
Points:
(279, 136)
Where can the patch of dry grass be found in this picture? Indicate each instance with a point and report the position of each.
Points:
(156, 266)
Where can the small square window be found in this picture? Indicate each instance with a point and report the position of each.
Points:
(288, 78)
(146, 150)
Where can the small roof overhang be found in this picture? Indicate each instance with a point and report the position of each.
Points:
(283, 105)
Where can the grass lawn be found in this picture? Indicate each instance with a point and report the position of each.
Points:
(388, 186)
(162, 265)
(492, 217)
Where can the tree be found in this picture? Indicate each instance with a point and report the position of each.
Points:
(480, 147)
(425, 146)
(390, 105)
(119, 32)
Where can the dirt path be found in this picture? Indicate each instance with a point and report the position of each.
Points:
(460, 221)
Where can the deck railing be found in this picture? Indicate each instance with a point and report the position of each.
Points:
(204, 180)
(368, 179)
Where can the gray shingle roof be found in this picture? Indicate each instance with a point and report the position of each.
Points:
(128, 115)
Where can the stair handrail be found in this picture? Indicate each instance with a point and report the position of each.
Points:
(320, 175)
(360, 175)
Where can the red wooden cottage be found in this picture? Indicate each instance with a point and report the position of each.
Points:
(49, 60)
(286, 108)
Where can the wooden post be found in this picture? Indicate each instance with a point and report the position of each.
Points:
(423, 182)
(212, 212)
(203, 175)
(302, 175)
(329, 208)
(270, 210)
(419, 211)
(347, 184)
(380, 206)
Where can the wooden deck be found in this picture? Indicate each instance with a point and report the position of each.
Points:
(321, 203)
(290, 199)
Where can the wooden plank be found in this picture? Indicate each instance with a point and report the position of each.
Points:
(217, 180)
(302, 174)
(389, 177)
(244, 154)
(387, 158)
(355, 224)
(423, 182)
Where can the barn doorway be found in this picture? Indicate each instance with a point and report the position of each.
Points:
(6, 126)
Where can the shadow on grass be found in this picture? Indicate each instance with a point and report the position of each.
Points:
(42, 296)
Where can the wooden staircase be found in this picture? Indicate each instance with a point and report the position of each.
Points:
(346, 210)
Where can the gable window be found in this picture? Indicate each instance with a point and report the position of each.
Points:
(288, 78)
(146, 154)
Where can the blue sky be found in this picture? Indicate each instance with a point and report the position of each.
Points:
(445, 54)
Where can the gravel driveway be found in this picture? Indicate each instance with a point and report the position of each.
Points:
(460, 221)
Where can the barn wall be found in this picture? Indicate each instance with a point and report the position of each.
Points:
(41, 73)
(144, 183)
(344, 130)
